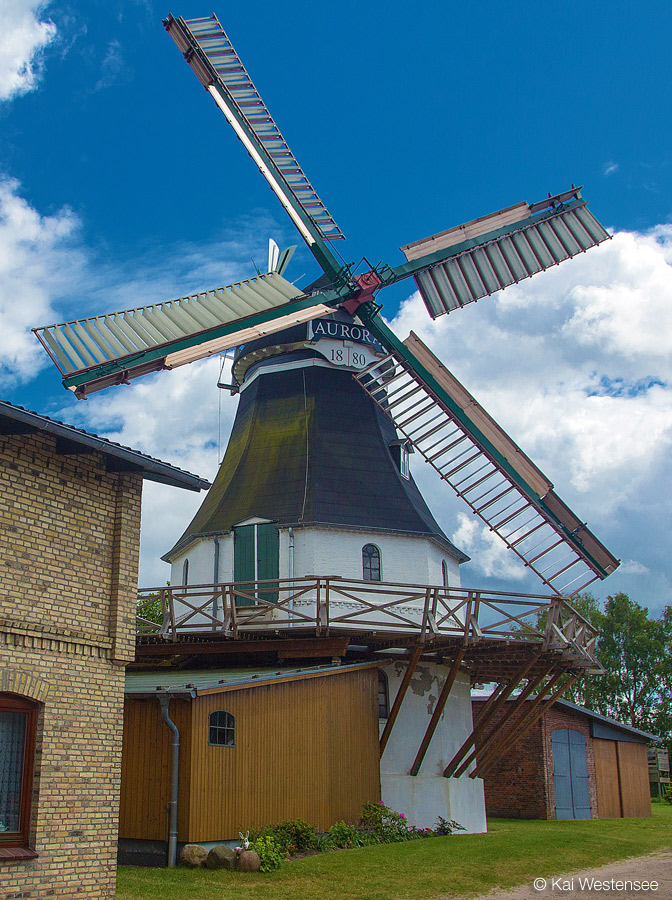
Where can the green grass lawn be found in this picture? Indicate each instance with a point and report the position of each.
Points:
(513, 852)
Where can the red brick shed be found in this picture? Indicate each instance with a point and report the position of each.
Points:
(572, 764)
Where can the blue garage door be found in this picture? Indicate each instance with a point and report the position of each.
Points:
(570, 774)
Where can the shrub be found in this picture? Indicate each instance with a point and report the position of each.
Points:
(269, 853)
(290, 835)
(667, 796)
(444, 826)
(344, 836)
(386, 824)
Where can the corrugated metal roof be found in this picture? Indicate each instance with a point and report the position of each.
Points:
(153, 469)
(483, 695)
(200, 680)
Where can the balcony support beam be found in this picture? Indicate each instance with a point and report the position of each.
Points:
(438, 711)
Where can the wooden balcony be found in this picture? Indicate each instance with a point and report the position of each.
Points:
(322, 616)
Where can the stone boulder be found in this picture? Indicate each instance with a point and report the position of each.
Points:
(221, 857)
(193, 856)
(248, 861)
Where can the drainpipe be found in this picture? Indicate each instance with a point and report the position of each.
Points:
(215, 579)
(291, 567)
(164, 700)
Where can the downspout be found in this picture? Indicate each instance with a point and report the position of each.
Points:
(164, 700)
(215, 580)
(291, 567)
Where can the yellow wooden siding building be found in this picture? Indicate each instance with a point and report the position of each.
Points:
(305, 746)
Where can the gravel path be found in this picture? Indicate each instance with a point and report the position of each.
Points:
(623, 880)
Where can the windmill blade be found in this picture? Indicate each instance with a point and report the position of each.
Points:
(211, 55)
(474, 260)
(100, 351)
(483, 465)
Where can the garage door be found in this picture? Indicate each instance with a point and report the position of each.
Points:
(570, 774)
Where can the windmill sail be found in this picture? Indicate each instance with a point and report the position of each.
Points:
(482, 464)
(99, 351)
(211, 55)
(474, 260)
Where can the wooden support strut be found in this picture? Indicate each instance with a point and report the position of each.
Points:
(438, 710)
(413, 661)
(515, 706)
(537, 708)
(487, 715)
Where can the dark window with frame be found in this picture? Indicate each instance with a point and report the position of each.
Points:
(18, 719)
(445, 576)
(221, 729)
(370, 562)
(383, 696)
(185, 573)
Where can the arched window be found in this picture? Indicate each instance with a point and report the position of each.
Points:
(18, 718)
(444, 573)
(383, 696)
(185, 573)
(370, 562)
(221, 729)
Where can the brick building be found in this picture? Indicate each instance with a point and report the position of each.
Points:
(69, 536)
(572, 764)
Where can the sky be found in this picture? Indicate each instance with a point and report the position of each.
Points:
(121, 184)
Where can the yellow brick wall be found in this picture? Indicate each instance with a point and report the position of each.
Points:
(69, 538)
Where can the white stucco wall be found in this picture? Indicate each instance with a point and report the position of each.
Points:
(428, 795)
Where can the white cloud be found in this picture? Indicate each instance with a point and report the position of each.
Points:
(491, 555)
(113, 67)
(610, 167)
(23, 37)
(37, 260)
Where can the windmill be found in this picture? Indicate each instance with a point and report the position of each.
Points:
(427, 405)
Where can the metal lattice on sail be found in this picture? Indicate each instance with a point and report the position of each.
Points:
(98, 351)
(493, 252)
(209, 37)
(476, 457)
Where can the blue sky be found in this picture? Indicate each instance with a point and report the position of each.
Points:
(122, 184)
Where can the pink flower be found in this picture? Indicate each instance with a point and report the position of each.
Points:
(403, 816)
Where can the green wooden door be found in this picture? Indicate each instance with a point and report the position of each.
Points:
(256, 556)
(268, 557)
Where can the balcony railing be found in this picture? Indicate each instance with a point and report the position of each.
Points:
(329, 605)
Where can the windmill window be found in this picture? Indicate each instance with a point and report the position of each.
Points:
(370, 562)
(221, 729)
(400, 454)
(18, 718)
(185, 573)
(383, 696)
(444, 573)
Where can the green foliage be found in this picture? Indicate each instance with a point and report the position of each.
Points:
(387, 825)
(447, 826)
(667, 796)
(269, 853)
(291, 836)
(345, 836)
(149, 607)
